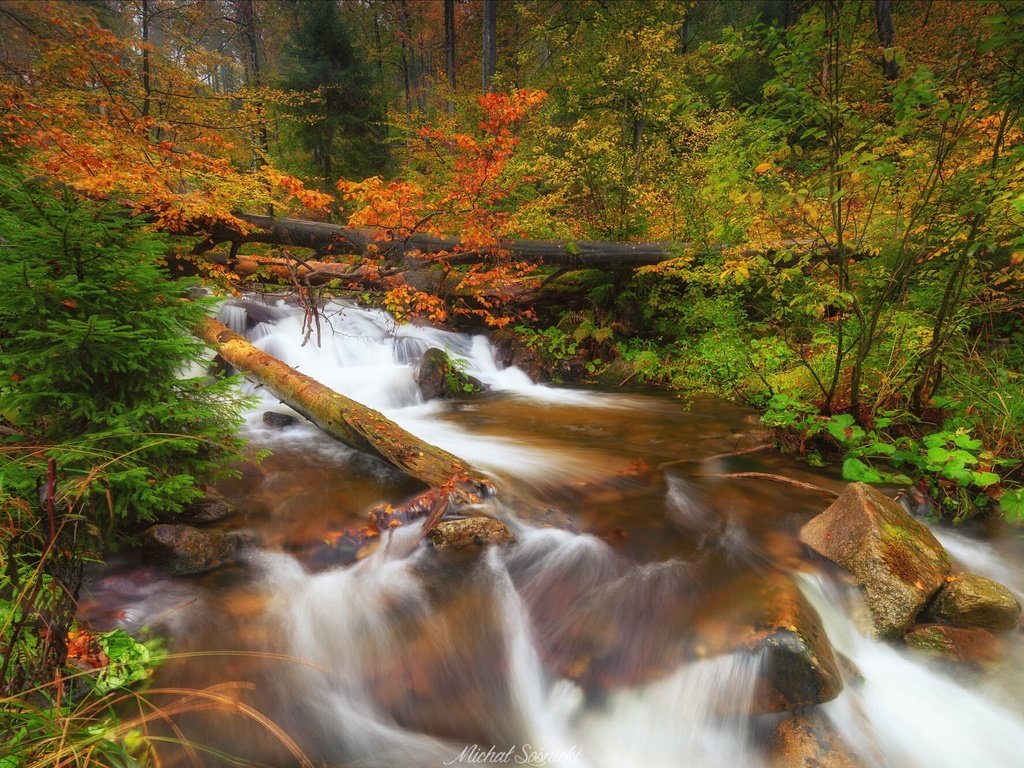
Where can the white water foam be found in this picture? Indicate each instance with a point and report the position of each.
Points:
(908, 713)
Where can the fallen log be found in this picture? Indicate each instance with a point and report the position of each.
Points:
(574, 254)
(349, 422)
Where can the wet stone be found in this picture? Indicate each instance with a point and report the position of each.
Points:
(897, 561)
(469, 532)
(279, 420)
(967, 644)
(969, 600)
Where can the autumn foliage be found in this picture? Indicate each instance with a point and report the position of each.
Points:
(460, 185)
(113, 116)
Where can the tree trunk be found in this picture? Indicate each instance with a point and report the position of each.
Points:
(490, 52)
(571, 254)
(449, 50)
(345, 420)
(886, 36)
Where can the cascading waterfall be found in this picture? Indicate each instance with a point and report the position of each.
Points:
(563, 649)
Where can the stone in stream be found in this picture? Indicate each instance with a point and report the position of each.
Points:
(212, 508)
(968, 600)
(469, 531)
(437, 376)
(189, 550)
(278, 420)
(770, 617)
(968, 644)
(809, 741)
(897, 561)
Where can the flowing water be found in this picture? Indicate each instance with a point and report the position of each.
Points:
(568, 648)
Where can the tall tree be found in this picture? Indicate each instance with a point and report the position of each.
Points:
(886, 36)
(490, 52)
(336, 124)
(449, 47)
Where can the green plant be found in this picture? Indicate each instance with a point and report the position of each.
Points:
(96, 375)
(950, 463)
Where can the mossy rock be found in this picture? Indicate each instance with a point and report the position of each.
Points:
(897, 561)
(967, 644)
(438, 377)
(969, 600)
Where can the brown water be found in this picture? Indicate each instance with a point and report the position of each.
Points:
(569, 647)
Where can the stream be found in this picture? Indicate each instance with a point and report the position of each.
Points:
(570, 647)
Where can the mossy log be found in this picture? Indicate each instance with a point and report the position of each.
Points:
(347, 421)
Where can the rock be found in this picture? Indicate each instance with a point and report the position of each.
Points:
(437, 377)
(968, 600)
(511, 351)
(279, 420)
(809, 741)
(469, 531)
(771, 618)
(212, 508)
(898, 563)
(970, 644)
(189, 550)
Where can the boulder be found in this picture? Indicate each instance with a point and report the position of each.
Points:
(809, 741)
(278, 420)
(968, 600)
(770, 617)
(970, 644)
(437, 377)
(469, 531)
(896, 560)
(189, 550)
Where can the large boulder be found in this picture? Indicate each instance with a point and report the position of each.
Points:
(770, 618)
(469, 532)
(969, 644)
(897, 561)
(968, 600)
(809, 741)
(188, 550)
(437, 377)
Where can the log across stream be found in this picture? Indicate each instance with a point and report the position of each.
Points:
(604, 645)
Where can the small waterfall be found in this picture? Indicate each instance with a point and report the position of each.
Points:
(365, 355)
(907, 713)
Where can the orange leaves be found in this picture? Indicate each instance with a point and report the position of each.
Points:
(310, 199)
(73, 96)
(459, 183)
(404, 302)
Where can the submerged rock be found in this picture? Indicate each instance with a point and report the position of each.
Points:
(968, 600)
(189, 550)
(212, 508)
(469, 531)
(809, 741)
(970, 644)
(437, 376)
(771, 618)
(898, 563)
(279, 420)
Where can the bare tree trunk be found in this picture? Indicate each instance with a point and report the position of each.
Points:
(146, 87)
(886, 36)
(490, 52)
(578, 254)
(449, 49)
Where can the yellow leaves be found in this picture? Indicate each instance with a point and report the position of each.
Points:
(763, 168)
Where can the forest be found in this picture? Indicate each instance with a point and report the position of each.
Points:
(804, 218)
